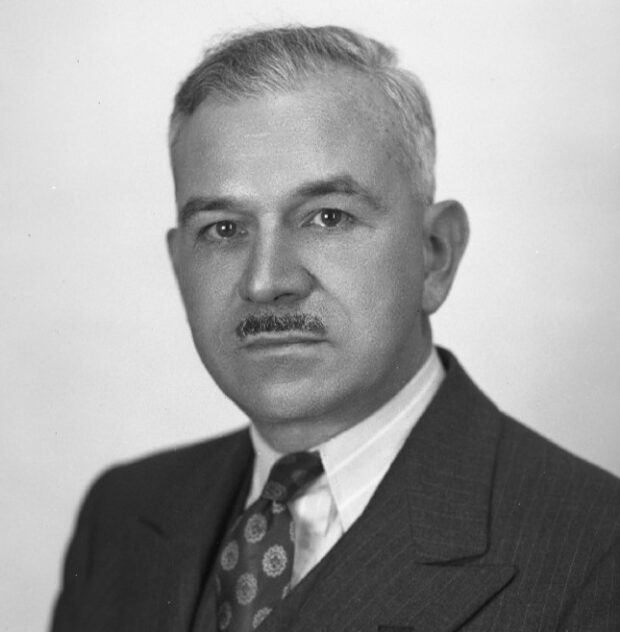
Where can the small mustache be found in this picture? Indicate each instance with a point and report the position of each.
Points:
(269, 323)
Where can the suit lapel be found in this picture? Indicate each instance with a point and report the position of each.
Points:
(174, 543)
(413, 559)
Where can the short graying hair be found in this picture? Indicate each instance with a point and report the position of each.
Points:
(280, 59)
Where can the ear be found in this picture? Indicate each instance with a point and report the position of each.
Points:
(446, 231)
(172, 239)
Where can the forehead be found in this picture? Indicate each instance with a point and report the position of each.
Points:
(269, 143)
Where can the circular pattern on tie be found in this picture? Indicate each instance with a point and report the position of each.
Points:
(260, 616)
(224, 616)
(274, 491)
(274, 561)
(255, 528)
(230, 556)
(277, 508)
(245, 590)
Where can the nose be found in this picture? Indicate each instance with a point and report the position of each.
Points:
(274, 272)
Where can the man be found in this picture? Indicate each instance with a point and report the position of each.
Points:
(310, 254)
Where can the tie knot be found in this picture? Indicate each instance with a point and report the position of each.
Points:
(291, 473)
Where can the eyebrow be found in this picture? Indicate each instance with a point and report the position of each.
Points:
(203, 204)
(343, 184)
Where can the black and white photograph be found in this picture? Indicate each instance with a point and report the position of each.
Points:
(310, 316)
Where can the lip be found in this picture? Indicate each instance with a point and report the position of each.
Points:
(274, 340)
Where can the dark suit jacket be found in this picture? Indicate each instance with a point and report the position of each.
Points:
(480, 524)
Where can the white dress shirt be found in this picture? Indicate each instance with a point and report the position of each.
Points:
(355, 462)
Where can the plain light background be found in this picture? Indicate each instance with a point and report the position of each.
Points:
(97, 365)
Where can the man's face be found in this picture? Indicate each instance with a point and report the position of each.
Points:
(296, 214)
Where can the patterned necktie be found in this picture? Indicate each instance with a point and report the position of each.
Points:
(254, 568)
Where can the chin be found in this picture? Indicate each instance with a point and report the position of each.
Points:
(281, 403)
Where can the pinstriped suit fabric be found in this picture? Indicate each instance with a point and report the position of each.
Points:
(480, 525)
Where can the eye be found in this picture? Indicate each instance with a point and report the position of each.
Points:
(224, 229)
(330, 218)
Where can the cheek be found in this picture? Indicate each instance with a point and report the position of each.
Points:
(208, 314)
(379, 293)
(205, 294)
